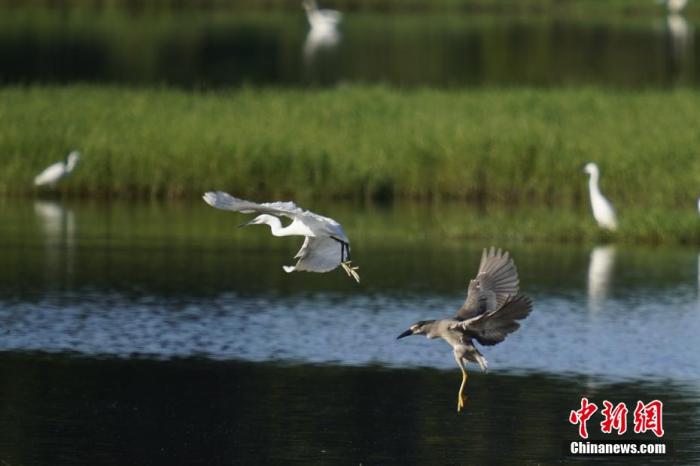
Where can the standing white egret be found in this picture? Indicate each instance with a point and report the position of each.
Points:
(321, 20)
(56, 171)
(326, 246)
(603, 211)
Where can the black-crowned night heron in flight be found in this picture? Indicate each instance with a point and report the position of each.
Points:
(56, 171)
(488, 315)
(326, 246)
(603, 211)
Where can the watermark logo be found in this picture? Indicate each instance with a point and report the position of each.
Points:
(646, 417)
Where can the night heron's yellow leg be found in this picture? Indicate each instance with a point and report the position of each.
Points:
(460, 396)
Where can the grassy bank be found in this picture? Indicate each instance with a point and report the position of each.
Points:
(502, 146)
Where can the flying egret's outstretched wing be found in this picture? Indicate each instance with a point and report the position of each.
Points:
(317, 254)
(496, 280)
(493, 326)
(225, 201)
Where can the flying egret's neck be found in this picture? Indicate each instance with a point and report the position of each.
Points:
(296, 228)
(275, 225)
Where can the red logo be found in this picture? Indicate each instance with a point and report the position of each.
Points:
(582, 416)
(615, 418)
(647, 417)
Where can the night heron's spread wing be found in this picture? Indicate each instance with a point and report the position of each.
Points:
(225, 201)
(317, 254)
(492, 327)
(496, 280)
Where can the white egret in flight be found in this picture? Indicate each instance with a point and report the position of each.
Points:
(326, 246)
(603, 211)
(56, 171)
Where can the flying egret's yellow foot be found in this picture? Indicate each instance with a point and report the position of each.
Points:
(350, 270)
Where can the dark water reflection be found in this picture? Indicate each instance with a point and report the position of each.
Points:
(162, 334)
(219, 48)
(64, 411)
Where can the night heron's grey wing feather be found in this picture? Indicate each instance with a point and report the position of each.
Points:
(496, 280)
(318, 254)
(225, 201)
(493, 327)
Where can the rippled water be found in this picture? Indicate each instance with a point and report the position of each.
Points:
(150, 315)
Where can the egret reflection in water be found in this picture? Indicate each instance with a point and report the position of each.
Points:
(600, 270)
(319, 42)
(59, 232)
(680, 41)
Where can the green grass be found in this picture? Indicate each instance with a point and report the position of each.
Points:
(369, 143)
(507, 150)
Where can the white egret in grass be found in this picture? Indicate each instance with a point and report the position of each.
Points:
(57, 171)
(603, 211)
(321, 20)
(325, 247)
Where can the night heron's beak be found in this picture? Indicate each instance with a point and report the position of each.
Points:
(405, 334)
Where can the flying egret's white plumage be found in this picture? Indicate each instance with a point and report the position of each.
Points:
(55, 172)
(321, 20)
(603, 211)
(326, 246)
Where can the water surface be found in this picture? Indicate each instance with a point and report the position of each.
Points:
(214, 48)
(160, 332)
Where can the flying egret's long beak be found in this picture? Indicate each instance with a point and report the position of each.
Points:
(245, 224)
(405, 334)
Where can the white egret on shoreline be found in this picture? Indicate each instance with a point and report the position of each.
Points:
(603, 211)
(57, 171)
(326, 246)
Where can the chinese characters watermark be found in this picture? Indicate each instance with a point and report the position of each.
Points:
(646, 417)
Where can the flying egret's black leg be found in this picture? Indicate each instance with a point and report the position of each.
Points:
(345, 259)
